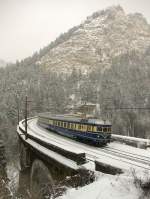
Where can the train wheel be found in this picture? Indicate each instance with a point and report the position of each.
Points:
(24, 157)
(41, 182)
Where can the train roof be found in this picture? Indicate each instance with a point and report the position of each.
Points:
(75, 118)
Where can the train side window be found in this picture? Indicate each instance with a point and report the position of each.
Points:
(76, 126)
(72, 126)
(89, 128)
(94, 129)
(79, 126)
(65, 124)
(104, 129)
(99, 128)
(68, 125)
(83, 127)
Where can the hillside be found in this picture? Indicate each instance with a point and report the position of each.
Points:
(100, 38)
(104, 60)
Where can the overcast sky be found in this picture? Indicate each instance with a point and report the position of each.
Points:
(28, 25)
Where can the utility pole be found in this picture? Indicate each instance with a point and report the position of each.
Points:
(26, 116)
(18, 112)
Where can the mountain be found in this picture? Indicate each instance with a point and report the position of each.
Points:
(104, 60)
(104, 35)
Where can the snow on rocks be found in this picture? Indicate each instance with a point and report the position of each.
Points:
(106, 187)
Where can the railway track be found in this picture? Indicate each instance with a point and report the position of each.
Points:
(92, 153)
(128, 153)
(130, 156)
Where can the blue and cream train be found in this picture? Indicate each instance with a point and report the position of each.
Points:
(88, 129)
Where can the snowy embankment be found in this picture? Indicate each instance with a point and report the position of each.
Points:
(138, 142)
(124, 186)
(107, 187)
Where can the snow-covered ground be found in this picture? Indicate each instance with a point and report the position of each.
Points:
(106, 187)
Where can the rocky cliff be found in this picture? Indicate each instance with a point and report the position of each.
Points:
(95, 42)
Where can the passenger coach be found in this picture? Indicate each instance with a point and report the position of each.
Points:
(88, 129)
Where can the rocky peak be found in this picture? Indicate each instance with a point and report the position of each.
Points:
(103, 36)
(114, 11)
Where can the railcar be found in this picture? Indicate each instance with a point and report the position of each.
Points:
(89, 130)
